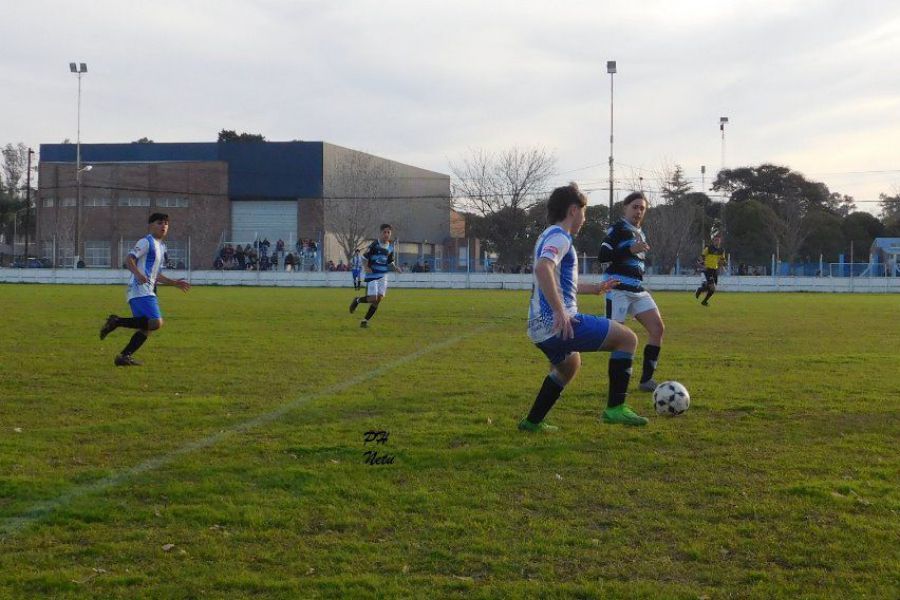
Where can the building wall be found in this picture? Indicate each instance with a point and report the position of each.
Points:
(193, 194)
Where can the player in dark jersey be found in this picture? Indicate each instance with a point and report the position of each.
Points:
(625, 248)
(713, 260)
(379, 258)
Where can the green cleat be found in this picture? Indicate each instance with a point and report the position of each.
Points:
(622, 415)
(543, 426)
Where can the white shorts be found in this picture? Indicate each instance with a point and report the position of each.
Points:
(629, 303)
(377, 287)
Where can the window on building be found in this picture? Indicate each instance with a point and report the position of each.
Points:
(67, 202)
(134, 201)
(96, 254)
(97, 201)
(48, 202)
(172, 202)
(176, 254)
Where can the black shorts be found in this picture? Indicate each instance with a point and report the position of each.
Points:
(712, 276)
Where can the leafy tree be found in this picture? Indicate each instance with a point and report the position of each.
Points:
(861, 229)
(229, 135)
(826, 237)
(890, 214)
(593, 231)
(789, 195)
(750, 239)
(143, 140)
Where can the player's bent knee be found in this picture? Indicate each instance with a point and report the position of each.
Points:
(154, 324)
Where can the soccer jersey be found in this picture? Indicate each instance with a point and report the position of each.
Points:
(356, 262)
(556, 245)
(628, 268)
(148, 254)
(379, 257)
(713, 257)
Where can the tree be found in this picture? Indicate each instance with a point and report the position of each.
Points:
(826, 238)
(361, 183)
(860, 229)
(229, 135)
(15, 162)
(750, 239)
(143, 140)
(501, 189)
(789, 195)
(675, 228)
(594, 229)
(890, 214)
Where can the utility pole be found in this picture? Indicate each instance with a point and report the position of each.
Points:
(28, 201)
(611, 69)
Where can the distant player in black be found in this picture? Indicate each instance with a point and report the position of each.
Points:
(379, 258)
(713, 260)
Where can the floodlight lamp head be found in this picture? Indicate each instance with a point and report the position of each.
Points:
(723, 120)
(610, 66)
(83, 68)
(73, 67)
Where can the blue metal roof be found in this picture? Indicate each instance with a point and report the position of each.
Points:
(887, 244)
(256, 170)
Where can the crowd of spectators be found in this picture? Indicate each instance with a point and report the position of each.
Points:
(260, 255)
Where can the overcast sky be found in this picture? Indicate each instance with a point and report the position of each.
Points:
(813, 85)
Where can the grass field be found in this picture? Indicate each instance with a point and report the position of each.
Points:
(232, 464)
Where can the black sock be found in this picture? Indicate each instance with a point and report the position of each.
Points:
(371, 312)
(545, 400)
(709, 295)
(137, 340)
(132, 322)
(619, 376)
(362, 299)
(651, 356)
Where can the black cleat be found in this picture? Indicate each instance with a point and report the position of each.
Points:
(705, 303)
(353, 305)
(109, 326)
(364, 324)
(126, 360)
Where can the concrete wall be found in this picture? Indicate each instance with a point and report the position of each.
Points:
(374, 190)
(450, 280)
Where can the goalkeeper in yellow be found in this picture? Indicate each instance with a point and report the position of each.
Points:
(713, 260)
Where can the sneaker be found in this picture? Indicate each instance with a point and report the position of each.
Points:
(705, 303)
(109, 326)
(364, 324)
(353, 305)
(126, 360)
(648, 386)
(543, 426)
(622, 415)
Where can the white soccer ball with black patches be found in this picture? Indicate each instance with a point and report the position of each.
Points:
(671, 398)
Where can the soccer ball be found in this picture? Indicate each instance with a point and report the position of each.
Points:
(671, 398)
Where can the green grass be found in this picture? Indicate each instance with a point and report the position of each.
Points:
(780, 482)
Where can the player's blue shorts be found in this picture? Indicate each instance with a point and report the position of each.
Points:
(357, 273)
(145, 306)
(590, 333)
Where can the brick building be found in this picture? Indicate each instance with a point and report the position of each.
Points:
(236, 192)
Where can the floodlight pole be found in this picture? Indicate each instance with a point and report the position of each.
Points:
(611, 69)
(28, 201)
(78, 70)
(722, 122)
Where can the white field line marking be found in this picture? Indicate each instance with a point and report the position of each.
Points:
(13, 525)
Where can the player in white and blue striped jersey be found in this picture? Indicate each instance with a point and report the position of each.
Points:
(379, 258)
(145, 263)
(559, 330)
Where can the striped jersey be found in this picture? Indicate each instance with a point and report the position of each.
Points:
(554, 244)
(379, 257)
(628, 268)
(356, 262)
(148, 253)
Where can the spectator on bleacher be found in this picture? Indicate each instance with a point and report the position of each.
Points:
(218, 264)
(279, 246)
(289, 262)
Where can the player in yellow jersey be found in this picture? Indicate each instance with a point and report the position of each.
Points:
(713, 260)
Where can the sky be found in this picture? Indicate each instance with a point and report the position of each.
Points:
(812, 85)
